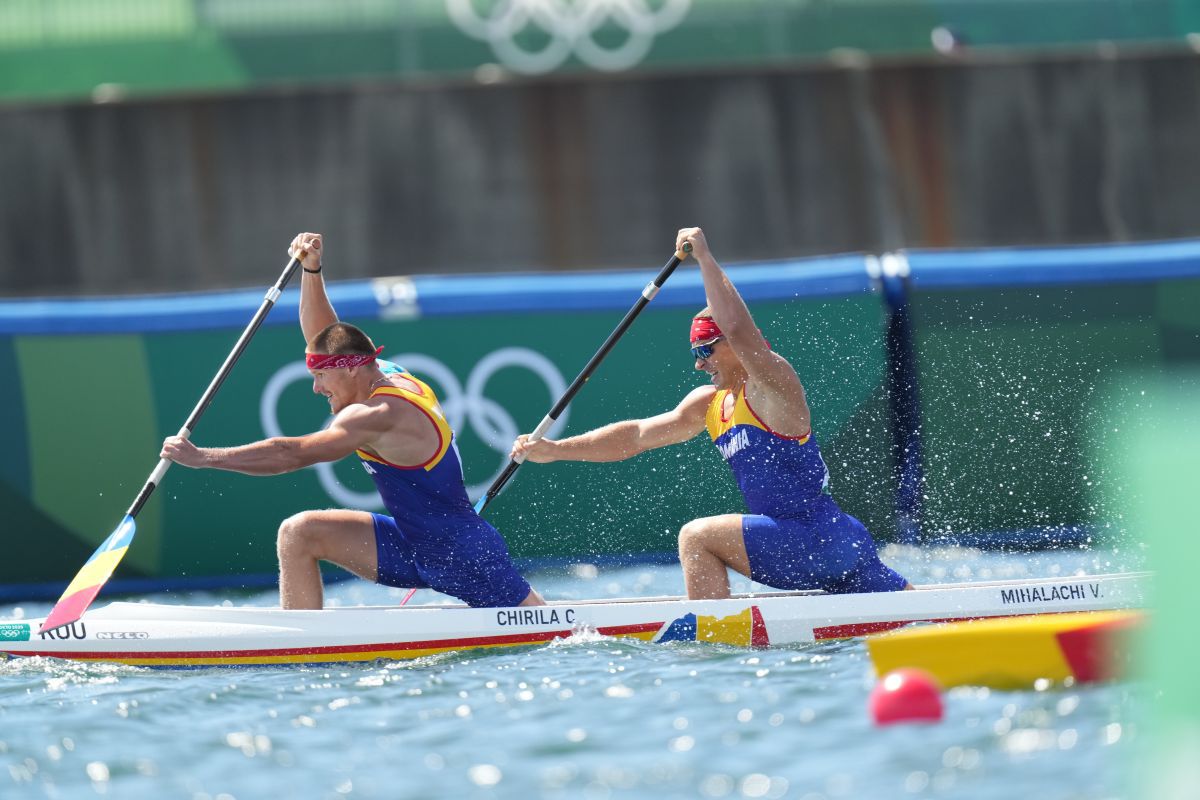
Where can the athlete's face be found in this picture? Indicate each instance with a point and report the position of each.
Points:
(719, 361)
(335, 385)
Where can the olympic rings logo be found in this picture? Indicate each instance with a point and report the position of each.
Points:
(570, 26)
(463, 405)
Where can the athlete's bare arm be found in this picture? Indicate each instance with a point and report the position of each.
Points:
(316, 312)
(622, 440)
(357, 426)
(773, 387)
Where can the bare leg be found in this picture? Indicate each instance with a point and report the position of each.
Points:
(347, 538)
(707, 546)
(533, 599)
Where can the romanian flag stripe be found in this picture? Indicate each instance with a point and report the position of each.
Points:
(744, 629)
(70, 608)
(92, 576)
(96, 571)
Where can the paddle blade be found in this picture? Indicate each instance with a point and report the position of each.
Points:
(91, 578)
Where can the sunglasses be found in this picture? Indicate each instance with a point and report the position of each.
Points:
(703, 351)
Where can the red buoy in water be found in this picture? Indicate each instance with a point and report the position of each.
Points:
(906, 695)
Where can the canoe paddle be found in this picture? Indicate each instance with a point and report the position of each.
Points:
(648, 294)
(99, 568)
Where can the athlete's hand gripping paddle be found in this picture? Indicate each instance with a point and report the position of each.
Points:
(99, 568)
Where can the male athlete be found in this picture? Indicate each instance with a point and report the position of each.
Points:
(394, 423)
(795, 536)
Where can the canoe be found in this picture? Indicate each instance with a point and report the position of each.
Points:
(180, 636)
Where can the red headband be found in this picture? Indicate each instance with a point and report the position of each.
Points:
(704, 330)
(343, 361)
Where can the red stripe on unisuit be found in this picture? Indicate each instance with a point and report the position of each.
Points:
(801, 439)
(441, 445)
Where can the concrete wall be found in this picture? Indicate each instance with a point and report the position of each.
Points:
(206, 192)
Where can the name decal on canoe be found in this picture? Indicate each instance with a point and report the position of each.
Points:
(18, 632)
(76, 630)
(536, 615)
(1050, 594)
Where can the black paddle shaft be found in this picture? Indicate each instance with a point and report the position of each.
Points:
(267, 304)
(647, 295)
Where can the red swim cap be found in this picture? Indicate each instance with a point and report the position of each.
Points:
(704, 330)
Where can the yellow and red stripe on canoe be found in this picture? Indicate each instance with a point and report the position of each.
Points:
(338, 653)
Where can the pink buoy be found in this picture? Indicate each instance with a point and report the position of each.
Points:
(906, 695)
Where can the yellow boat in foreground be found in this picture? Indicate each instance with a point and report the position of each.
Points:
(1013, 652)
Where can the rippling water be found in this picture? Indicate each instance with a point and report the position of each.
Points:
(580, 718)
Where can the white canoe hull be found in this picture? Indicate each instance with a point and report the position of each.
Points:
(187, 636)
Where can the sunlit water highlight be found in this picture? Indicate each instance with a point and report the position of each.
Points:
(583, 718)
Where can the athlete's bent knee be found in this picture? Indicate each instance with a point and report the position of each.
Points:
(298, 535)
(693, 538)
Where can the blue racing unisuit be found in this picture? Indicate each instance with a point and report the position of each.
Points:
(797, 537)
(433, 537)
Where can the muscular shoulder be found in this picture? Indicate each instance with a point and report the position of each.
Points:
(381, 414)
(365, 416)
(779, 400)
(701, 396)
(696, 402)
(406, 382)
(389, 411)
